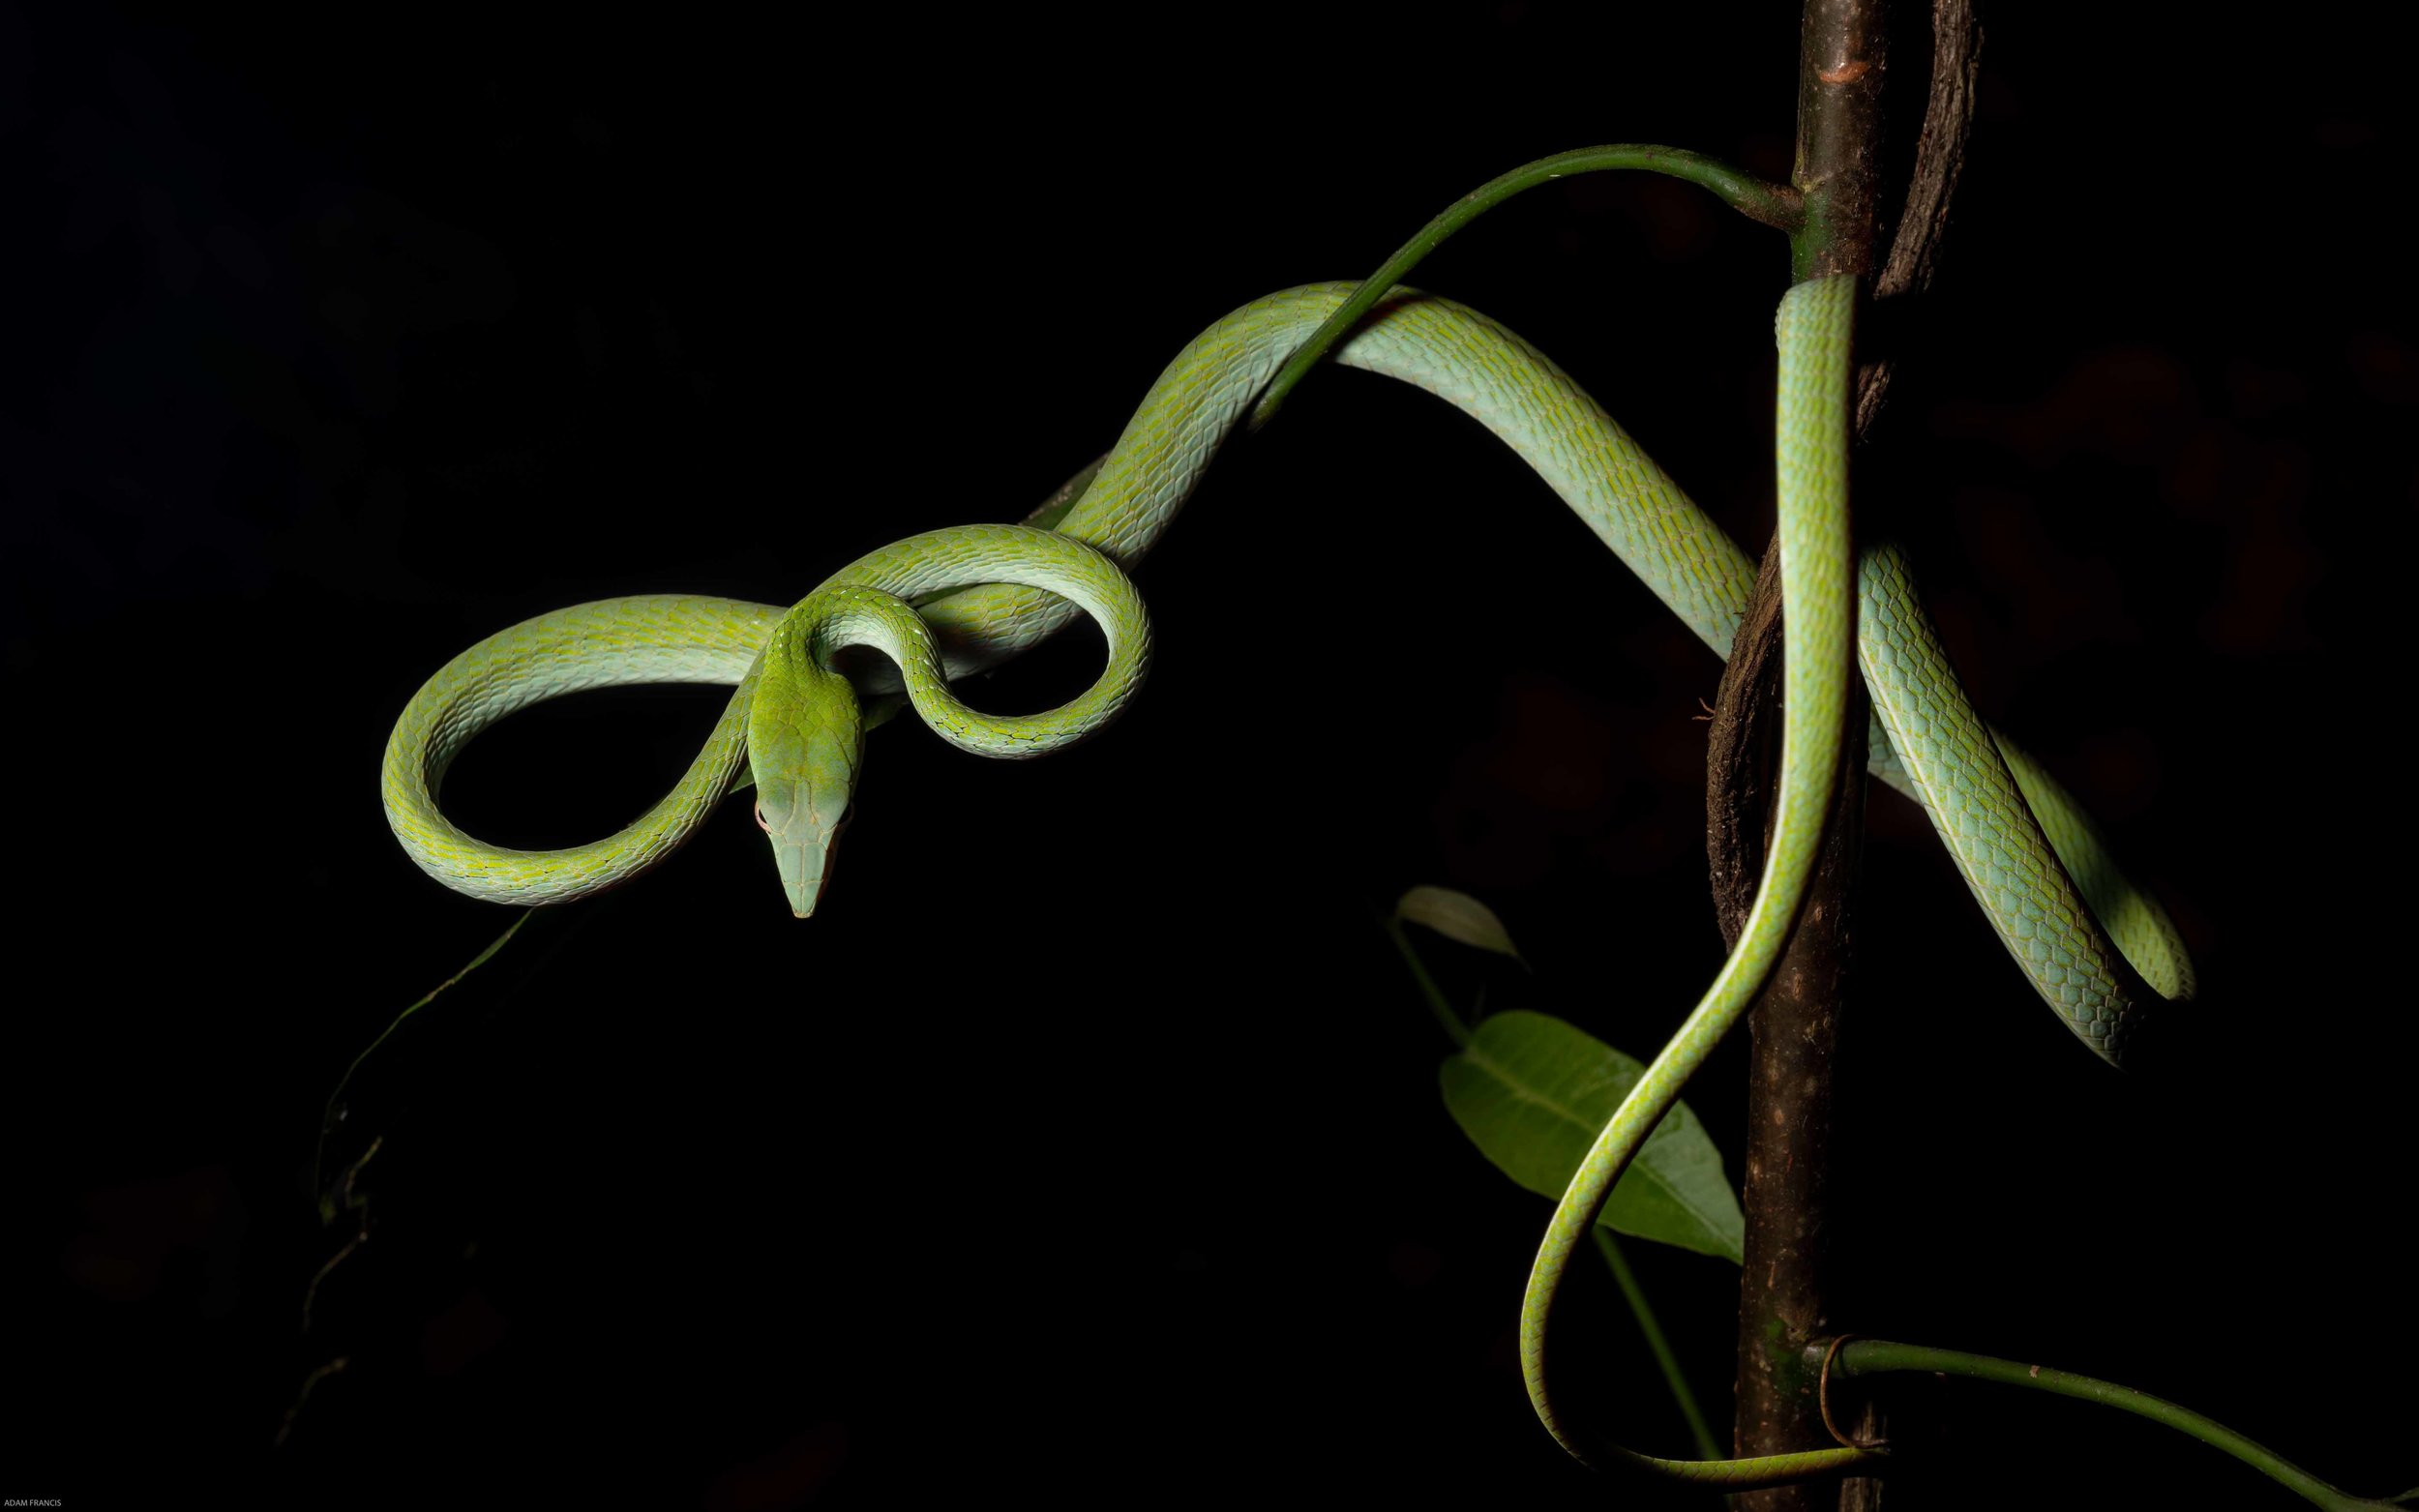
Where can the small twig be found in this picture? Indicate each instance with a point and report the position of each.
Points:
(354, 1204)
(329, 1117)
(310, 1384)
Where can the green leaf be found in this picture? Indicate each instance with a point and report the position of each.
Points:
(1532, 1092)
(1458, 916)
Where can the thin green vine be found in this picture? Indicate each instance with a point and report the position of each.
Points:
(1774, 204)
(1853, 1357)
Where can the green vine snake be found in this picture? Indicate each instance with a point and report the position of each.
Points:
(939, 606)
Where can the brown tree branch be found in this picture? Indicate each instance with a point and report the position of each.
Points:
(1795, 1031)
(1842, 66)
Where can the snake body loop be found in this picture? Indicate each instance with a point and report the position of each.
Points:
(666, 637)
(2099, 951)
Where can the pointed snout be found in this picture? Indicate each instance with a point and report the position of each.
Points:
(804, 868)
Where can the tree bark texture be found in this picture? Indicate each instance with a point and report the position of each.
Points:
(1795, 1026)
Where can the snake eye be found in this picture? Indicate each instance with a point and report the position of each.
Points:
(759, 818)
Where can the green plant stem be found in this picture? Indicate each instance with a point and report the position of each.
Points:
(1455, 1028)
(327, 1118)
(1876, 1356)
(1700, 1432)
(1772, 204)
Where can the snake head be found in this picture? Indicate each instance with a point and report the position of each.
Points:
(805, 736)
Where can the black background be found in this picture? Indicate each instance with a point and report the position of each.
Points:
(1085, 1146)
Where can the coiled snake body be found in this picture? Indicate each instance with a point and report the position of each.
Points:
(2096, 949)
